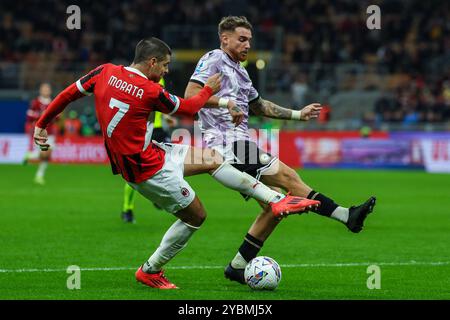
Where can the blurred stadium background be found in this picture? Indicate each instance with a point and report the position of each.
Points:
(387, 106)
(392, 84)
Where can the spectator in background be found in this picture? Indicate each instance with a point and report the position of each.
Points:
(72, 125)
(318, 35)
(415, 101)
(299, 89)
(37, 107)
(89, 123)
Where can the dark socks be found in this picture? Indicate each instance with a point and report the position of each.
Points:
(327, 205)
(250, 247)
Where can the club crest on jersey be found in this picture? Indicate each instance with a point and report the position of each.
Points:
(264, 158)
(185, 192)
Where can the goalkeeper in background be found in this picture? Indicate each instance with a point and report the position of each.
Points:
(161, 133)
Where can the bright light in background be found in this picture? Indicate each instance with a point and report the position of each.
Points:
(260, 64)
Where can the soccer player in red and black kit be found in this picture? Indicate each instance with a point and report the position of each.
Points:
(37, 107)
(125, 97)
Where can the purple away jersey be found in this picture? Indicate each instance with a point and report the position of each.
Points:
(215, 123)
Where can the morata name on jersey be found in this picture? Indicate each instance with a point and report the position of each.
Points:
(126, 87)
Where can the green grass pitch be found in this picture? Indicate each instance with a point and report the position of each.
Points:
(75, 220)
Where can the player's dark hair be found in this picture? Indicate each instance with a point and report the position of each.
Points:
(230, 23)
(151, 48)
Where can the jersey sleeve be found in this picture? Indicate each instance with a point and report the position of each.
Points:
(206, 67)
(68, 95)
(86, 84)
(166, 102)
(253, 94)
(171, 104)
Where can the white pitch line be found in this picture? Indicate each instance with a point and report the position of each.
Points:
(305, 265)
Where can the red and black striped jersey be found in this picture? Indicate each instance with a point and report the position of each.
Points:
(124, 100)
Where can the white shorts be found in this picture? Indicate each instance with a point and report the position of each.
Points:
(167, 188)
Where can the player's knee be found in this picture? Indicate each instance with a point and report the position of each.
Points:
(264, 206)
(194, 214)
(267, 211)
(198, 218)
(266, 220)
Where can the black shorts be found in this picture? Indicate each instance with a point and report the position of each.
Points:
(251, 159)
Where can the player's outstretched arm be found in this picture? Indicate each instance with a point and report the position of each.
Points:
(193, 88)
(71, 93)
(269, 109)
(193, 104)
(215, 102)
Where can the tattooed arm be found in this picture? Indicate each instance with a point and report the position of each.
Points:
(269, 109)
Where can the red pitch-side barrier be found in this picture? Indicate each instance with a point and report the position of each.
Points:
(320, 147)
(416, 150)
(80, 150)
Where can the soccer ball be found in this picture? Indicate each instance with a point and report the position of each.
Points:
(262, 273)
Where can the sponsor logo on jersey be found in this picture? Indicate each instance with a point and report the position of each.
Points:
(199, 67)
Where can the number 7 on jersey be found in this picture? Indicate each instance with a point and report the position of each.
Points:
(123, 108)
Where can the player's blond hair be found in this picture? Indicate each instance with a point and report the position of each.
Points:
(230, 24)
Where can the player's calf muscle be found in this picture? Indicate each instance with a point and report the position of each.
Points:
(194, 214)
(288, 180)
